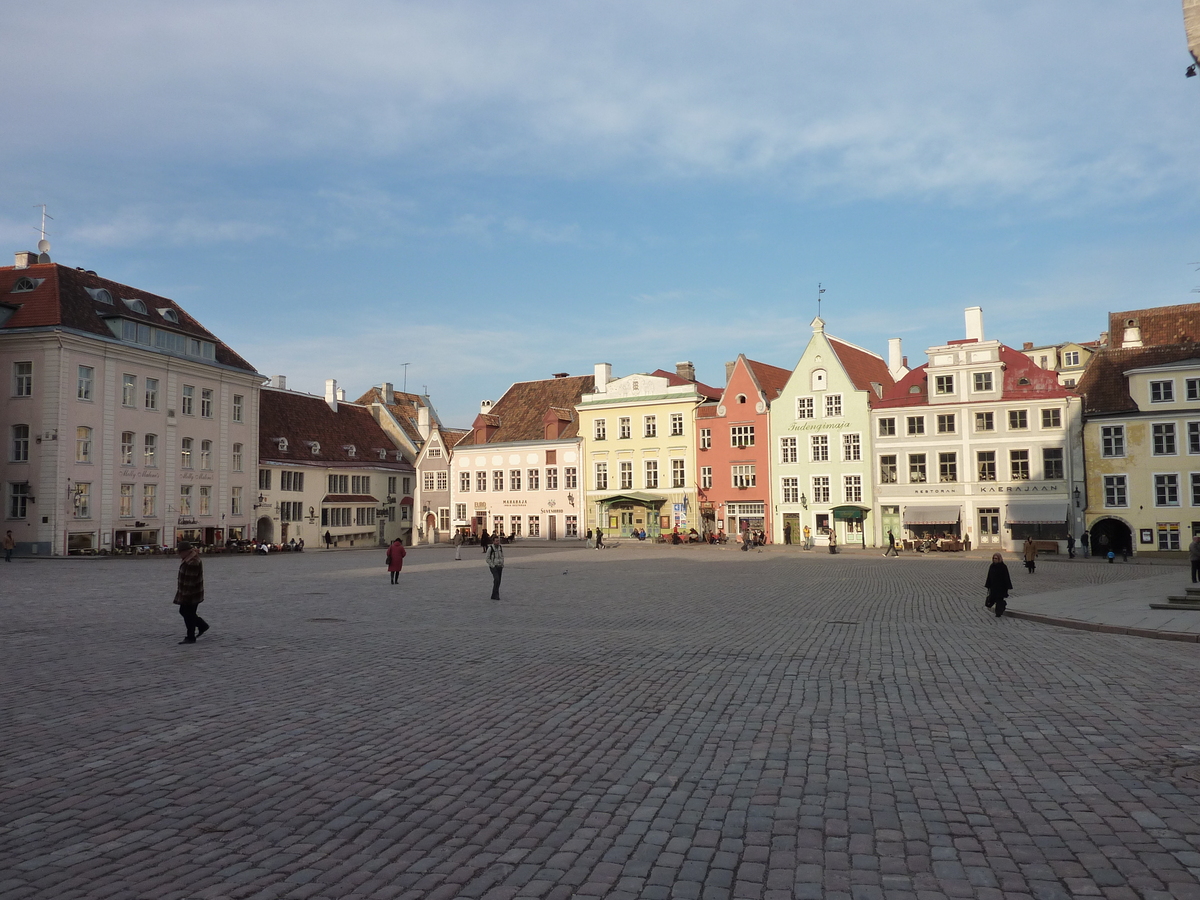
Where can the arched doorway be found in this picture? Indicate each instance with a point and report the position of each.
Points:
(1111, 534)
(265, 530)
(430, 528)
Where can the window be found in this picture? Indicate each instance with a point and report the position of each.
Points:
(514, 479)
(481, 480)
(23, 380)
(624, 428)
(187, 400)
(833, 406)
(391, 487)
(820, 448)
(84, 389)
(1052, 418)
(945, 423)
(1193, 389)
(20, 443)
(83, 444)
(291, 511)
(705, 438)
(741, 436)
(1193, 437)
(339, 484)
(83, 500)
(206, 500)
(18, 499)
(1018, 419)
(151, 393)
(943, 384)
(851, 447)
(987, 465)
(601, 476)
(125, 510)
(535, 526)
(435, 453)
(235, 501)
(264, 479)
(571, 478)
(852, 488)
(532, 479)
(206, 403)
(1112, 440)
(804, 408)
(336, 516)
(820, 489)
(678, 476)
(600, 429)
(887, 427)
(625, 470)
(947, 467)
(916, 425)
(787, 450)
(791, 490)
(1164, 438)
(128, 390)
(364, 515)
(887, 469)
(982, 381)
(498, 480)
(360, 484)
(1196, 489)
(572, 527)
(150, 500)
(1162, 391)
(515, 528)
(676, 424)
(649, 426)
(552, 478)
(651, 466)
(460, 512)
(1168, 535)
(237, 408)
(1071, 358)
(916, 468)
(1052, 463)
(1019, 461)
(149, 450)
(1166, 490)
(464, 481)
(206, 455)
(427, 481)
(743, 476)
(185, 453)
(985, 421)
(294, 481)
(706, 479)
(237, 457)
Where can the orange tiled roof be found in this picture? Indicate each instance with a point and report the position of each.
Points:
(1040, 384)
(1104, 387)
(863, 368)
(1159, 325)
(772, 379)
(674, 379)
(520, 414)
(304, 418)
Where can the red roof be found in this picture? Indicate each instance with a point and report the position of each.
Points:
(771, 379)
(520, 415)
(1158, 326)
(864, 368)
(61, 300)
(675, 380)
(1038, 383)
(304, 419)
(1104, 387)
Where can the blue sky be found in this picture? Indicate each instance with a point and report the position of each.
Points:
(493, 192)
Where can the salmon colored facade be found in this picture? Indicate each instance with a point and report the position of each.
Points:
(734, 450)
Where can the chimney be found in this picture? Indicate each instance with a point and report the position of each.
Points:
(389, 393)
(603, 377)
(341, 395)
(1104, 339)
(485, 406)
(25, 259)
(686, 371)
(1028, 345)
(1133, 334)
(423, 422)
(331, 393)
(729, 367)
(974, 323)
(281, 382)
(561, 375)
(895, 358)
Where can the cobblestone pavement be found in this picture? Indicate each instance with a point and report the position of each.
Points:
(639, 722)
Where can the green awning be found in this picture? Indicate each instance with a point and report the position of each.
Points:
(850, 511)
(637, 497)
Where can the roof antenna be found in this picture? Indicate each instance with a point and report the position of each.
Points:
(43, 244)
(406, 365)
(820, 291)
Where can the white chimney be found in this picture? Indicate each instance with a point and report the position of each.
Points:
(897, 362)
(281, 382)
(974, 323)
(485, 407)
(389, 393)
(603, 377)
(331, 393)
(341, 394)
(423, 422)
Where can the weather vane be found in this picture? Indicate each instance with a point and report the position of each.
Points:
(820, 291)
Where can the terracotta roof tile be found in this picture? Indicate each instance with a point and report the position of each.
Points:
(675, 380)
(1040, 384)
(1159, 325)
(1104, 387)
(772, 379)
(863, 367)
(520, 414)
(304, 418)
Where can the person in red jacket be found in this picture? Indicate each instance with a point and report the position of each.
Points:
(395, 559)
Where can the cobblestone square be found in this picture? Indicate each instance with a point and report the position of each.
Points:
(643, 722)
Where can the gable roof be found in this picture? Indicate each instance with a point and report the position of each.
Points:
(305, 418)
(1040, 384)
(520, 414)
(863, 367)
(61, 299)
(1104, 387)
(771, 379)
(676, 380)
(403, 409)
(1159, 325)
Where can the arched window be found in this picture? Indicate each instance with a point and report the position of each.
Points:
(818, 379)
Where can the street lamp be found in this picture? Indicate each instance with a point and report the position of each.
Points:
(1077, 496)
(803, 501)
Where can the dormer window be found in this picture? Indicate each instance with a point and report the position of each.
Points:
(170, 315)
(350, 449)
(1022, 381)
(283, 444)
(315, 448)
(25, 283)
(134, 304)
(382, 453)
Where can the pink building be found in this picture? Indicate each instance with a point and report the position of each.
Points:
(734, 449)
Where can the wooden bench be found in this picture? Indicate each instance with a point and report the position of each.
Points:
(1046, 546)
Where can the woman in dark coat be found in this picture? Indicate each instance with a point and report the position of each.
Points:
(395, 559)
(998, 585)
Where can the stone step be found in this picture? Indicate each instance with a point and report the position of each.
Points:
(1190, 599)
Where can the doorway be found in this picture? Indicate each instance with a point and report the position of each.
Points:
(553, 523)
(989, 527)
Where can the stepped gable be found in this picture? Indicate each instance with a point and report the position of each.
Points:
(62, 300)
(674, 379)
(1104, 387)
(863, 367)
(520, 415)
(1159, 326)
(305, 418)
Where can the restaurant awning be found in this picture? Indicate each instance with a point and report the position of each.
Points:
(1042, 512)
(850, 511)
(931, 515)
(636, 496)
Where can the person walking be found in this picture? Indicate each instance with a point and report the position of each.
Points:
(832, 541)
(787, 533)
(328, 540)
(495, 562)
(807, 538)
(998, 584)
(589, 539)
(458, 542)
(967, 542)
(395, 559)
(1070, 546)
(1193, 555)
(189, 591)
(746, 538)
(1030, 554)
(1085, 542)
(9, 544)
(599, 538)
(891, 545)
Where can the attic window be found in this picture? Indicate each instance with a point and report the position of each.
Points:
(282, 442)
(170, 315)
(741, 398)
(133, 303)
(635, 385)
(316, 448)
(100, 295)
(350, 449)
(915, 389)
(25, 283)
(382, 453)
(1022, 381)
